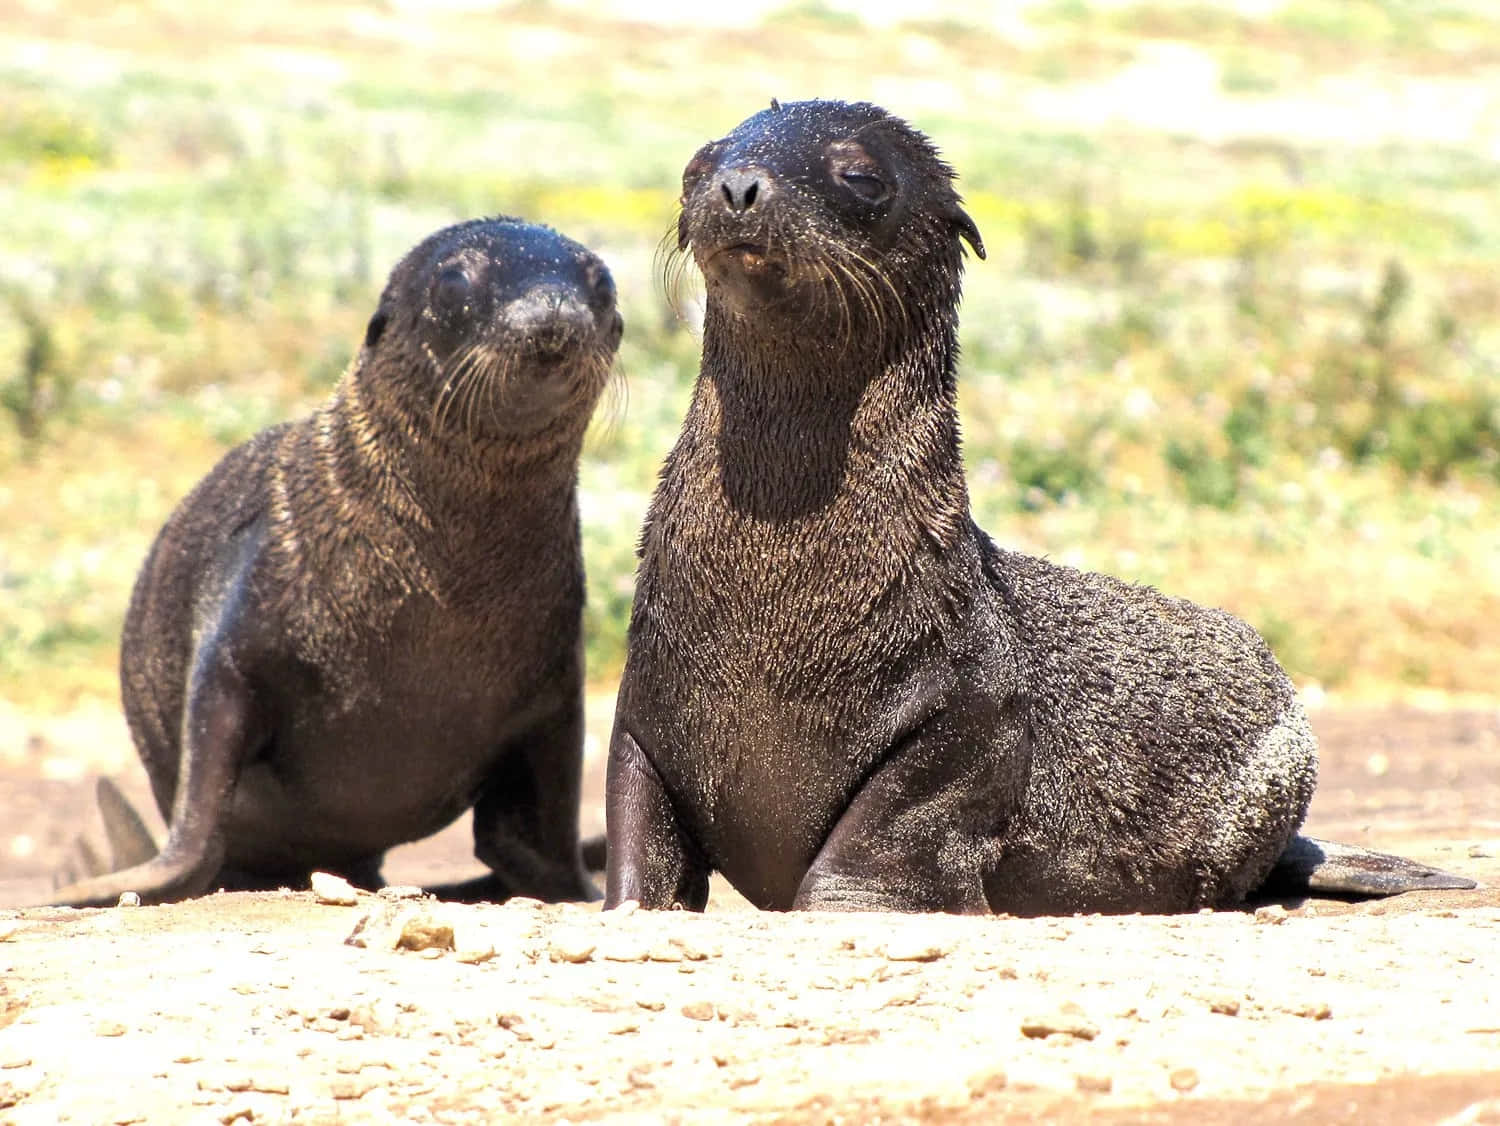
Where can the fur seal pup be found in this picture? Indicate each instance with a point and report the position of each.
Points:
(362, 623)
(839, 692)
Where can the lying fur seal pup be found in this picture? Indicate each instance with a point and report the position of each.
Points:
(363, 623)
(839, 692)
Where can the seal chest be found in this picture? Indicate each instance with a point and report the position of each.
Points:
(838, 691)
(366, 621)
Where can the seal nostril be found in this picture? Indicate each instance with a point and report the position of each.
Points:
(741, 188)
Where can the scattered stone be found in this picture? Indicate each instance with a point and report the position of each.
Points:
(222, 1082)
(423, 932)
(351, 1086)
(9, 931)
(698, 1010)
(333, 890)
(1067, 1021)
(129, 899)
(743, 1079)
(664, 952)
(430, 953)
(651, 1004)
(623, 948)
(269, 1086)
(1272, 914)
(1312, 1010)
(524, 903)
(574, 946)
(476, 955)
(236, 1112)
(640, 1077)
(623, 908)
(401, 891)
(1093, 1084)
(109, 1028)
(515, 1024)
(693, 948)
(983, 1083)
(918, 947)
(623, 1025)
(1226, 1004)
(1183, 1079)
(11, 1062)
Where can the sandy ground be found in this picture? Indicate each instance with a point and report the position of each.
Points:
(255, 1008)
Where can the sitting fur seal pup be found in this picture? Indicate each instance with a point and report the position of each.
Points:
(363, 623)
(839, 692)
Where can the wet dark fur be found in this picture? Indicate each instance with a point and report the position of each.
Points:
(840, 692)
(367, 621)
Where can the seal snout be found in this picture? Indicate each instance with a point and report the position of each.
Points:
(743, 187)
(551, 321)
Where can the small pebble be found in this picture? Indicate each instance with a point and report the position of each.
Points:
(1066, 1022)
(109, 1028)
(623, 1025)
(351, 1086)
(623, 948)
(915, 948)
(333, 890)
(693, 949)
(1183, 1079)
(651, 1004)
(984, 1083)
(1273, 914)
(572, 946)
(475, 955)
(1224, 1003)
(9, 1063)
(1094, 1084)
(129, 899)
(422, 932)
(623, 908)
(1313, 1010)
(698, 1010)
(401, 891)
(1479, 852)
(269, 1086)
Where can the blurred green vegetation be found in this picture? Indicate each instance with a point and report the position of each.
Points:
(1256, 368)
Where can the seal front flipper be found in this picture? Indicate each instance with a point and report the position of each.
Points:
(526, 813)
(650, 859)
(217, 732)
(921, 833)
(1309, 865)
(130, 842)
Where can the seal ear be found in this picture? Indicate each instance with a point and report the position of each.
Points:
(965, 228)
(376, 327)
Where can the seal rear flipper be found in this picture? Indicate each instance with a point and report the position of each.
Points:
(1309, 865)
(130, 842)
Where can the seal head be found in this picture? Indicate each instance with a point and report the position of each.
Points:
(807, 202)
(514, 326)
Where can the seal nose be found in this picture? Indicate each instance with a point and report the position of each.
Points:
(742, 187)
(551, 319)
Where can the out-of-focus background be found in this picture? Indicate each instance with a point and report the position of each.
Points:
(1238, 335)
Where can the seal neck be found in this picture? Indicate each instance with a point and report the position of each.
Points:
(442, 486)
(800, 422)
